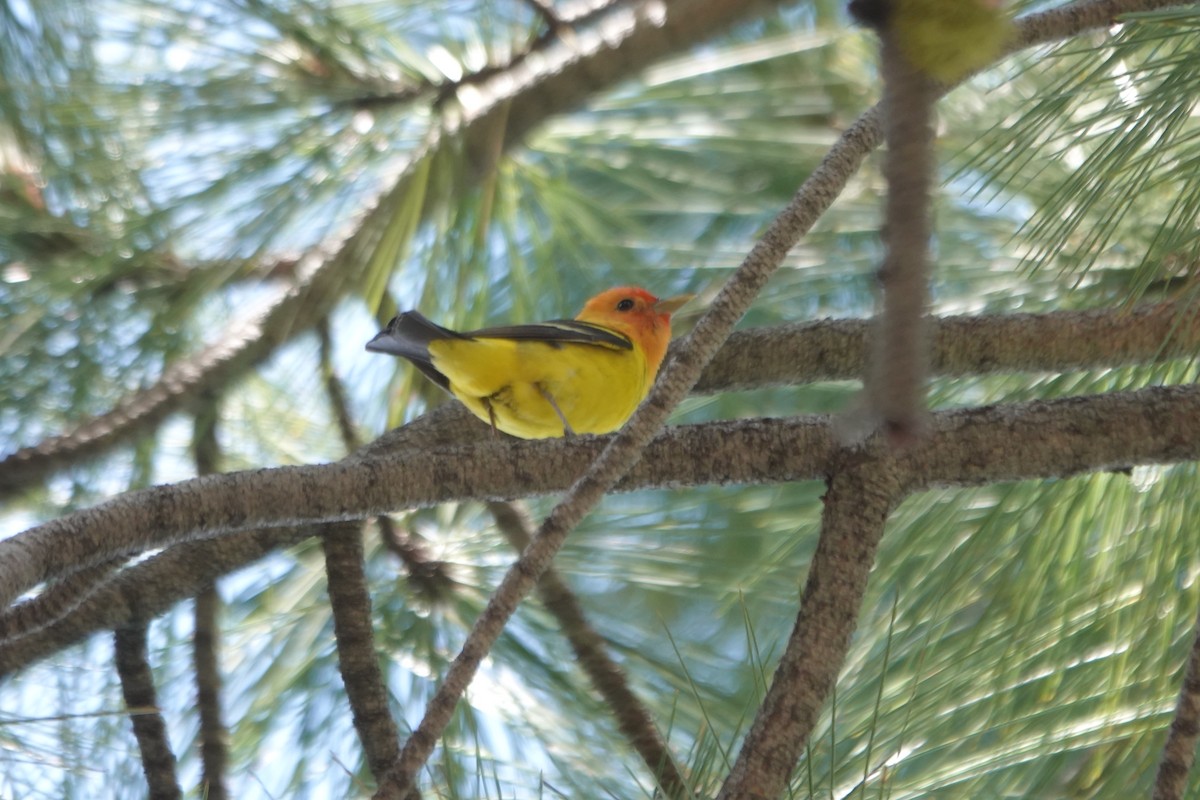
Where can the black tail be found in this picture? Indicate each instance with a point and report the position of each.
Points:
(408, 336)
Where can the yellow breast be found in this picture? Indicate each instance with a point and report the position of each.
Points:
(506, 382)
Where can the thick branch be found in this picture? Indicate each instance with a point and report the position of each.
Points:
(862, 492)
(1004, 442)
(55, 601)
(1057, 341)
(1071, 19)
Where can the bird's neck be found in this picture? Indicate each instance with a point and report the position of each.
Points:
(650, 335)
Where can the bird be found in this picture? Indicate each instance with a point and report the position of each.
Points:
(549, 379)
(945, 39)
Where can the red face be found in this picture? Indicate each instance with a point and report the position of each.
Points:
(633, 301)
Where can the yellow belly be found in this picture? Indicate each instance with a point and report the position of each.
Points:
(597, 388)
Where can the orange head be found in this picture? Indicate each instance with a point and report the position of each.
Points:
(639, 315)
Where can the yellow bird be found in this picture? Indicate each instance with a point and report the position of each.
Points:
(945, 39)
(562, 377)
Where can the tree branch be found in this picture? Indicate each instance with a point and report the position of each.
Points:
(148, 589)
(862, 492)
(896, 381)
(350, 601)
(606, 675)
(1003, 442)
(1179, 752)
(137, 685)
(358, 659)
(55, 601)
(1057, 341)
(545, 10)
(206, 632)
(214, 736)
(1071, 19)
(429, 577)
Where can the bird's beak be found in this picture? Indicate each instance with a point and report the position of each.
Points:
(673, 304)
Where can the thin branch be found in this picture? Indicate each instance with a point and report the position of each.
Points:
(147, 590)
(558, 24)
(55, 601)
(429, 577)
(214, 737)
(545, 10)
(137, 685)
(607, 677)
(206, 633)
(350, 601)
(1180, 749)
(623, 451)
(358, 660)
(862, 492)
(335, 392)
(584, 12)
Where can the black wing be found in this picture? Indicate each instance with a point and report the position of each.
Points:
(409, 334)
(556, 332)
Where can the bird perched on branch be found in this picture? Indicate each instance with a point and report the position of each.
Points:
(562, 377)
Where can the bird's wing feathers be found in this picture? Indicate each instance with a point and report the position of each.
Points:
(556, 332)
(410, 334)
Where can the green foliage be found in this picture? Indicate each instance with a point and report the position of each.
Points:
(159, 166)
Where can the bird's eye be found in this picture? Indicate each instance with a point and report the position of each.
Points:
(625, 305)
